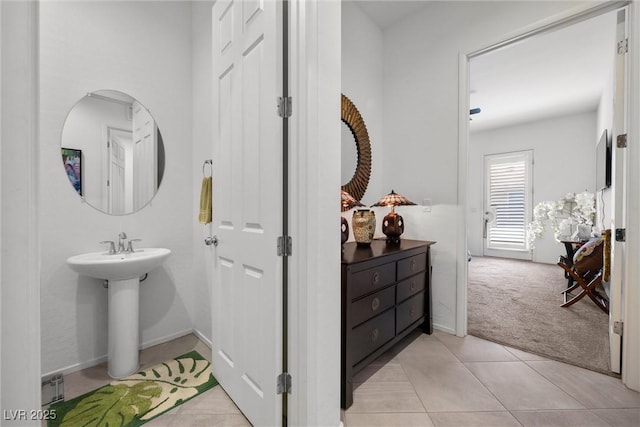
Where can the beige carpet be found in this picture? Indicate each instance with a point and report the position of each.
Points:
(517, 303)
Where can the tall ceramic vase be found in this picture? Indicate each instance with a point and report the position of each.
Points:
(364, 226)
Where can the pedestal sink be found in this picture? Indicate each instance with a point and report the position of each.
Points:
(122, 271)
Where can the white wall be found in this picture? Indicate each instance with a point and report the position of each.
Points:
(362, 82)
(564, 162)
(143, 49)
(202, 150)
(605, 121)
(420, 117)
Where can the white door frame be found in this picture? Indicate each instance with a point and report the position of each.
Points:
(314, 179)
(20, 338)
(631, 349)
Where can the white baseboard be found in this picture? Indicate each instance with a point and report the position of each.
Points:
(102, 359)
(202, 338)
(166, 338)
(444, 329)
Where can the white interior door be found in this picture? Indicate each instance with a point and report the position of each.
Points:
(119, 142)
(145, 156)
(247, 205)
(619, 188)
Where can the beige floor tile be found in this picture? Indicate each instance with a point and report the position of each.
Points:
(425, 350)
(592, 389)
(385, 397)
(523, 355)
(476, 419)
(388, 420)
(472, 349)
(619, 417)
(208, 420)
(450, 388)
(203, 349)
(164, 420)
(84, 381)
(391, 371)
(520, 387)
(214, 401)
(559, 418)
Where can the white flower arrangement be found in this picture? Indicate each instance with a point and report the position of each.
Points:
(571, 218)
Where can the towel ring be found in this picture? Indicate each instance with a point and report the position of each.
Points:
(210, 163)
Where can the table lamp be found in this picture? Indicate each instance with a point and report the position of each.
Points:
(393, 223)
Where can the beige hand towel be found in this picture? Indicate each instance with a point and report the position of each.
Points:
(205, 216)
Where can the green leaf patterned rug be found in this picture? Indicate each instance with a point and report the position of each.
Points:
(140, 397)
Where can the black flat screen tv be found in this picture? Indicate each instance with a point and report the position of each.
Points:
(603, 162)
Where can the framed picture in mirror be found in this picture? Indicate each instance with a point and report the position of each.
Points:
(72, 161)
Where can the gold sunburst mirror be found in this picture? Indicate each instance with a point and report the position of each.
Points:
(354, 121)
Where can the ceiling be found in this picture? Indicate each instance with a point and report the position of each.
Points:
(559, 72)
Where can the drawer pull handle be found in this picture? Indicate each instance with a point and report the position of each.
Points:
(374, 335)
(375, 278)
(413, 286)
(412, 265)
(375, 304)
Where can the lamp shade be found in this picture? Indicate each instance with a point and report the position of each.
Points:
(347, 201)
(393, 223)
(393, 199)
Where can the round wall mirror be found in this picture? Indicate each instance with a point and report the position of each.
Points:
(361, 167)
(112, 152)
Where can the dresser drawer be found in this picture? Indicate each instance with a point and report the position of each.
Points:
(412, 265)
(411, 286)
(372, 305)
(367, 337)
(372, 279)
(409, 311)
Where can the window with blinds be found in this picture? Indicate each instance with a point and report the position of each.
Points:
(508, 200)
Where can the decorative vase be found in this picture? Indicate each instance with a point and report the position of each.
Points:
(364, 226)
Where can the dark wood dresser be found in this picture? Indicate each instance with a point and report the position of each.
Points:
(386, 294)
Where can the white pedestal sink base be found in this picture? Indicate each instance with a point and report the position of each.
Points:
(123, 327)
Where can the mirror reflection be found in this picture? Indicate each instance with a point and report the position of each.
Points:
(112, 152)
(349, 154)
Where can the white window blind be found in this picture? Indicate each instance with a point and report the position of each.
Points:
(508, 199)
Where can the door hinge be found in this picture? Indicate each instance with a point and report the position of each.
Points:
(284, 383)
(285, 246)
(618, 327)
(621, 141)
(623, 46)
(285, 106)
(621, 234)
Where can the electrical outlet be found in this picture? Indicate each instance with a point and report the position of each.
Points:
(426, 205)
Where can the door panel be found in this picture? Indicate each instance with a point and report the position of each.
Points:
(145, 156)
(247, 205)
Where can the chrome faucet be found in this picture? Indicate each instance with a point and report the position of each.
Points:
(121, 237)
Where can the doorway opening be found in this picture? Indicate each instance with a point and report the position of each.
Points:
(548, 94)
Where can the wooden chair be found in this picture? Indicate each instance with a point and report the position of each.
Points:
(586, 274)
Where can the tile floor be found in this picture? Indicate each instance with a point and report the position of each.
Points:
(429, 380)
(444, 380)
